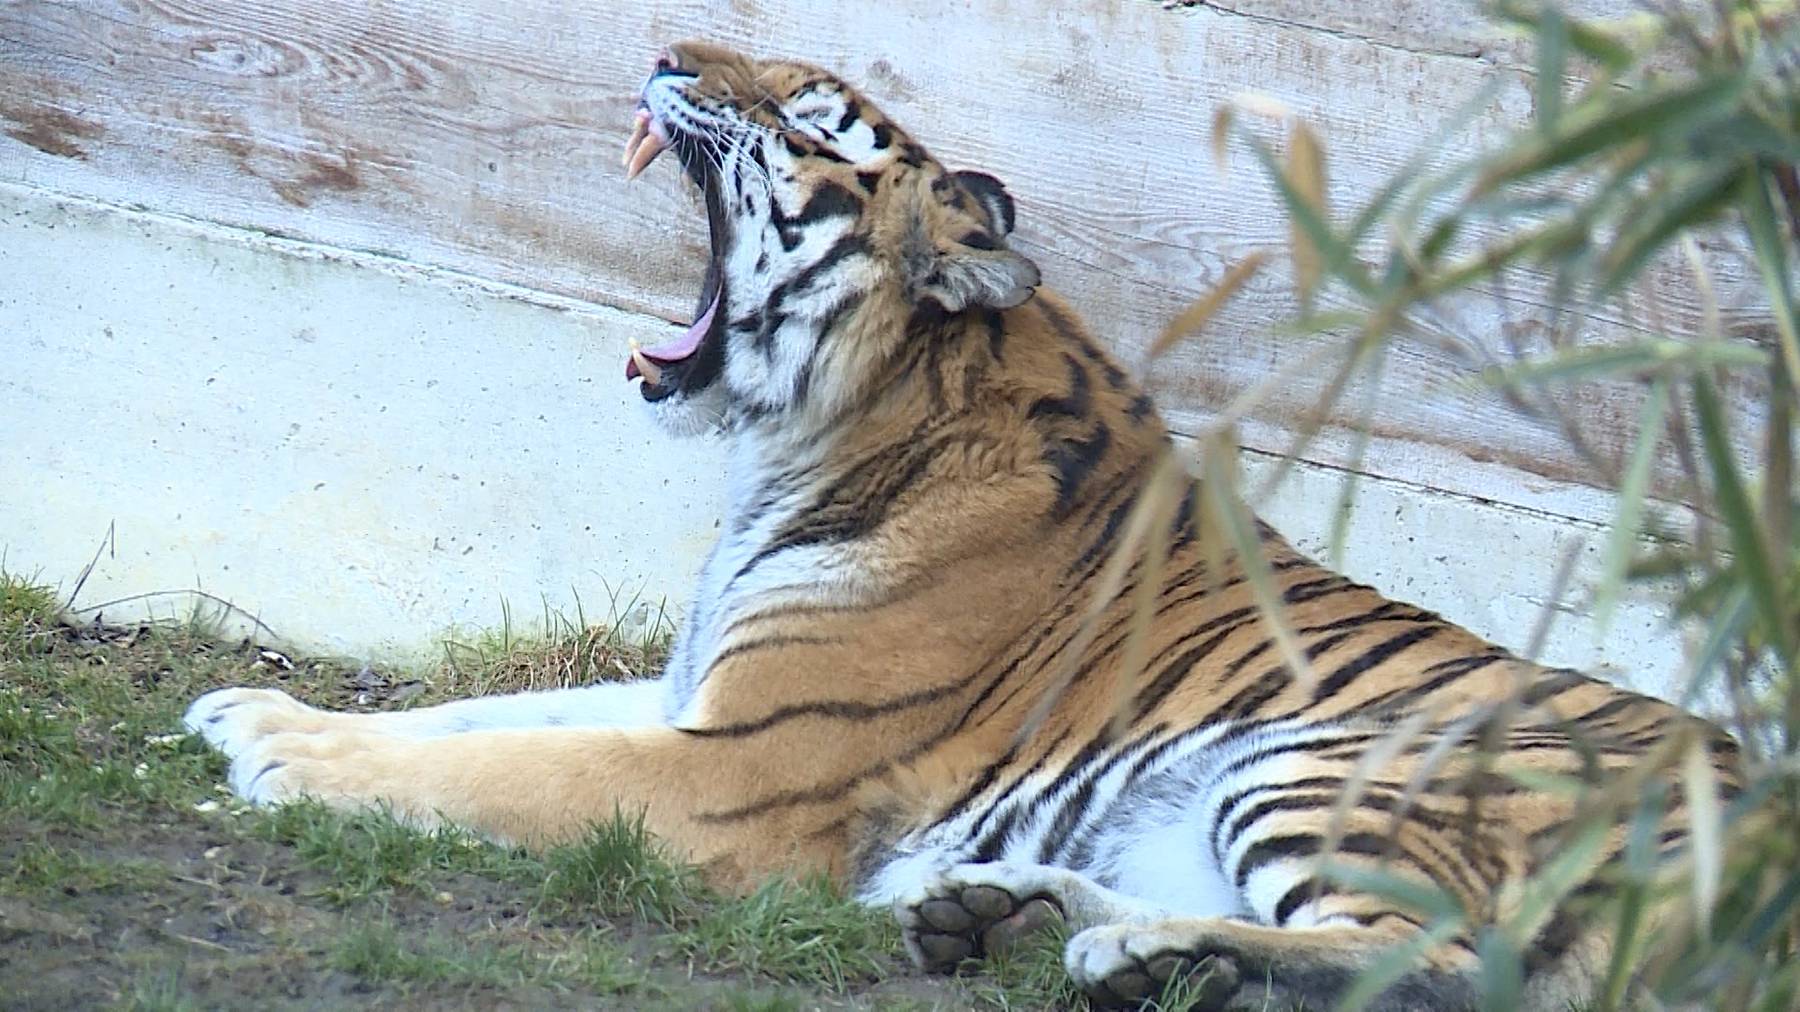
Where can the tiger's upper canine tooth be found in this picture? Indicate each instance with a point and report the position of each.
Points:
(640, 128)
(643, 147)
(647, 367)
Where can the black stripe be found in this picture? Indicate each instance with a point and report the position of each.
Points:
(1443, 673)
(1074, 809)
(1176, 671)
(993, 841)
(852, 110)
(1294, 845)
(832, 709)
(1349, 672)
(1304, 891)
(770, 643)
(1074, 461)
(1076, 404)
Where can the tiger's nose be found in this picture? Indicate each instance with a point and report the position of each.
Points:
(665, 63)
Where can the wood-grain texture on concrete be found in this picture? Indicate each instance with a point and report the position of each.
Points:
(483, 136)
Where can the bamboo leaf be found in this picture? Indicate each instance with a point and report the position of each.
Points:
(1396, 963)
(1751, 555)
(1586, 39)
(1306, 168)
(1416, 895)
(1610, 123)
(1572, 863)
(1611, 361)
(1337, 259)
(1552, 61)
(1644, 235)
(1771, 259)
(1627, 520)
(1404, 178)
(1220, 486)
(1724, 629)
(1224, 117)
(1163, 495)
(1706, 830)
(1197, 315)
(1560, 785)
(1629, 938)
(1502, 973)
(1774, 915)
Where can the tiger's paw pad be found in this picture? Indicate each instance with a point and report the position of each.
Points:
(954, 920)
(1124, 965)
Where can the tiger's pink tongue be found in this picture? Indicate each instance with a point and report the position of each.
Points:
(673, 351)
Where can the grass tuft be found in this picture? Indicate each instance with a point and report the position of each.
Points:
(379, 952)
(1030, 976)
(27, 613)
(799, 931)
(369, 854)
(619, 869)
(563, 650)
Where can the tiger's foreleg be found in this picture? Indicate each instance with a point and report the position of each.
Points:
(541, 785)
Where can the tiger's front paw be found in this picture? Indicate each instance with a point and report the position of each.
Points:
(281, 749)
(232, 720)
(1128, 965)
(340, 768)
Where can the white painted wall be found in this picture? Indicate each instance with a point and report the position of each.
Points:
(365, 453)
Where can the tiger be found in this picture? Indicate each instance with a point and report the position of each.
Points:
(898, 671)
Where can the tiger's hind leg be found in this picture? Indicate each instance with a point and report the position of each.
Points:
(970, 911)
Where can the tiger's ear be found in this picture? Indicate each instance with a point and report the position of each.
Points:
(967, 265)
(991, 194)
(963, 277)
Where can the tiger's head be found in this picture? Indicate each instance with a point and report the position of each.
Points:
(830, 230)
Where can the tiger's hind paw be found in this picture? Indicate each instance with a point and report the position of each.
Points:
(1126, 965)
(970, 912)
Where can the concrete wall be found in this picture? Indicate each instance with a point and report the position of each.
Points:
(319, 306)
(362, 453)
(358, 453)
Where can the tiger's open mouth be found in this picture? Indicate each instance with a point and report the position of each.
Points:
(693, 360)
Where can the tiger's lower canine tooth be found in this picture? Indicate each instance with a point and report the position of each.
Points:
(647, 368)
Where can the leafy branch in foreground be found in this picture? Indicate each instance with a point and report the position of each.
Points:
(1660, 146)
